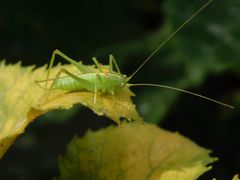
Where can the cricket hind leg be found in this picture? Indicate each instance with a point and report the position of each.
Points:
(78, 65)
(39, 82)
(86, 84)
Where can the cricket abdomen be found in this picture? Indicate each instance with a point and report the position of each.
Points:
(68, 84)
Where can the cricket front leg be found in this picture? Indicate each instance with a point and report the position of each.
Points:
(112, 61)
(98, 81)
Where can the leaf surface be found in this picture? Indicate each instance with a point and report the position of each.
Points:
(22, 100)
(236, 177)
(134, 151)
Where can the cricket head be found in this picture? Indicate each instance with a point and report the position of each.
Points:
(124, 81)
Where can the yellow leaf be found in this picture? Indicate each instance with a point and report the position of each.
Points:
(134, 151)
(236, 177)
(22, 100)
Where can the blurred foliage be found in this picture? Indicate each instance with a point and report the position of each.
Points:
(209, 45)
(134, 151)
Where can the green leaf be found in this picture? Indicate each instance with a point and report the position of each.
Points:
(133, 151)
(22, 101)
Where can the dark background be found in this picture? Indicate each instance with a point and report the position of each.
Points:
(203, 57)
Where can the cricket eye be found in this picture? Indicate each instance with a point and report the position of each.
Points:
(122, 84)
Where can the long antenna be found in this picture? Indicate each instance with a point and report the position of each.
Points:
(169, 37)
(184, 91)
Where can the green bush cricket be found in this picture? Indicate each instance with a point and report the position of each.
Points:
(112, 81)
